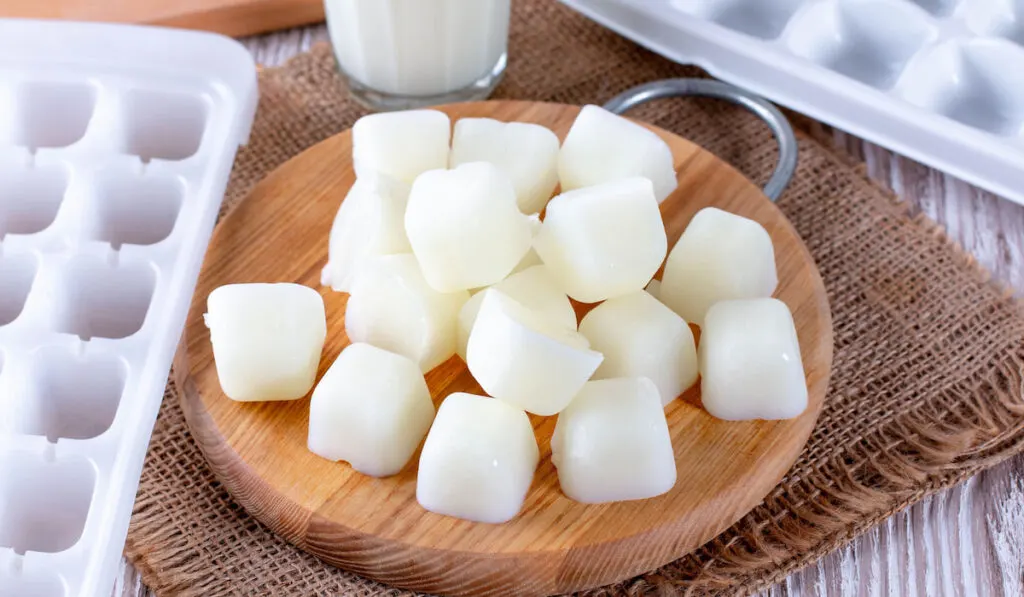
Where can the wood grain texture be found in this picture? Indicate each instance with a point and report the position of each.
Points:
(978, 525)
(230, 17)
(375, 526)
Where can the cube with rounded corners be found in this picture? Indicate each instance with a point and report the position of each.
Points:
(465, 228)
(392, 307)
(612, 444)
(371, 409)
(478, 460)
(603, 241)
(720, 256)
(526, 359)
(267, 339)
(401, 144)
(640, 337)
(750, 362)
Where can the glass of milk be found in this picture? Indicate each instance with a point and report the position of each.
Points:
(401, 54)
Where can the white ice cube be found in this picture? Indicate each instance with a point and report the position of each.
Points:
(602, 147)
(465, 228)
(371, 409)
(640, 337)
(750, 361)
(266, 339)
(392, 307)
(720, 256)
(370, 221)
(402, 145)
(526, 153)
(478, 460)
(612, 443)
(534, 289)
(524, 358)
(603, 241)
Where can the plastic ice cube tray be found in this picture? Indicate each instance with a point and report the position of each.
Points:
(941, 81)
(116, 143)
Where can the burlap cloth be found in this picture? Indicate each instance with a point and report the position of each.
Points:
(929, 356)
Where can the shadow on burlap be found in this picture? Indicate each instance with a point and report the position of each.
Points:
(926, 385)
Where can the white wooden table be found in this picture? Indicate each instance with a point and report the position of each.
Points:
(964, 542)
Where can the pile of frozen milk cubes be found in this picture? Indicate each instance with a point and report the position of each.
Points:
(116, 144)
(937, 80)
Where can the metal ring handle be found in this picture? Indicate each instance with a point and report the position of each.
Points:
(761, 108)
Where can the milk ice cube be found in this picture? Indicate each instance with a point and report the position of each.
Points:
(371, 409)
(640, 337)
(526, 359)
(750, 361)
(401, 144)
(267, 339)
(534, 289)
(720, 256)
(612, 443)
(478, 460)
(526, 153)
(465, 228)
(602, 147)
(370, 221)
(603, 241)
(392, 307)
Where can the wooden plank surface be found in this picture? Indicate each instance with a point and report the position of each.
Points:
(965, 542)
(230, 17)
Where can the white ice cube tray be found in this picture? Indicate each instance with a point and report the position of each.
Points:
(116, 143)
(940, 81)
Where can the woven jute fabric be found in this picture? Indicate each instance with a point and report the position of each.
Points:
(926, 387)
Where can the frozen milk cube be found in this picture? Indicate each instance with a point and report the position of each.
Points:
(465, 228)
(526, 359)
(370, 221)
(720, 256)
(266, 339)
(534, 289)
(478, 460)
(612, 443)
(750, 361)
(401, 145)
(640, 337)
(526, 153)
(603, 241)
(371, 409)
(602, 147)
(392, 307)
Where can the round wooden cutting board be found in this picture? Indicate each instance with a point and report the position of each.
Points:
(375, 527)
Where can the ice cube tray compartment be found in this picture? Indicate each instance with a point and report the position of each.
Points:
(70, 395)
(936, 80)
(43, 504)
(116, 143)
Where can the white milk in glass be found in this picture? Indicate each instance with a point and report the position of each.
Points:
(407, 53)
